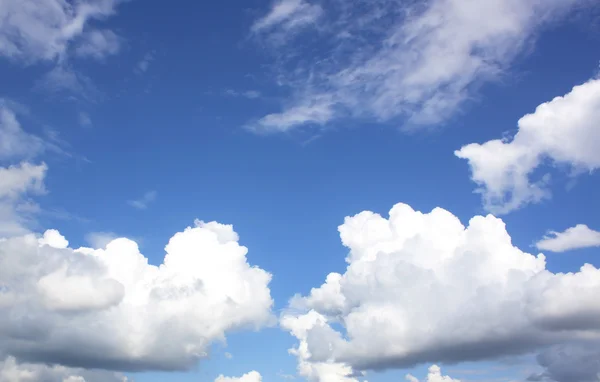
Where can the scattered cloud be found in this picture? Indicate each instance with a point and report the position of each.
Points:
(85, 120)
(12, 371)
(98, 44)
(143, 202)
(560, 132)
(478, 297)
(250, 94)
(110, 309)
(34, 30)
(99, 240)
(64, 79)
(388, 60)
(286, 16)
(580, 236)
(14, 141)
(143, 65)
(434, 374)
(252, 376)
(228, 355)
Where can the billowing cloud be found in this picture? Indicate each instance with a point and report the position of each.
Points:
(563, 131)
(580, 236)
(11, 371)
(252, 376)
(421, 287)
(388, 60)
(110, 309)
(434, 374)
(34, 30)
(570, 363)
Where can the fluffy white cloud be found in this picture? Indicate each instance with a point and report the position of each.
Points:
(109, 308)
(11, 371)
(434, 374)
(424, 288)
(388, 59)
(580, 236)
(33, 30)
(252, 376)
(563, 131)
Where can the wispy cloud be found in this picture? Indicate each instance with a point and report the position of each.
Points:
(84, 119)
(250, 94)
(63, 79)
(98, 44)
(414, 62)
(143, 202)
(143, 65)
(100, 239)
(286, 16)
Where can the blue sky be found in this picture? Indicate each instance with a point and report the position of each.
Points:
(282, 119)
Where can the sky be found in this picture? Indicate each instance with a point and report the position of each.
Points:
(299, 190)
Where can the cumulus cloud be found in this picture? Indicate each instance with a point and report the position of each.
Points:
(580, 236)
(34, 30)
(143, 202)
(563, 131)
(421, 287)
(434, 374)
(110, 309)
(252, 376)
(11, 371)
(416, 62)
(570, 363)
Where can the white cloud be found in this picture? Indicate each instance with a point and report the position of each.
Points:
(12, 371)
(33, 30)
(434, 374)
(14, 141)
(252, 376)
(287, 15)
(98, 44)
(100, 240)
(387, 59)
(563, 131)
(143, 202)
(84, 119)
(110, 309)
(580, 236)
(144, 63)
(16, 182)
(424, 288)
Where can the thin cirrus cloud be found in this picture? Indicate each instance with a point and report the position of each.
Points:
(563, 131)
(577, 237)
(143, 202)
(130, 315)
(479, 298)
(427, 59)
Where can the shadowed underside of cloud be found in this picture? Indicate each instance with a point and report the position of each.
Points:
(424, 288)
(390, 59)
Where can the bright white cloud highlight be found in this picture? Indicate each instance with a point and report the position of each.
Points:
(580, 236)
(563, 131)
(421, 287)
(252, 376)
(434, 374)
(389, 59)
(109, 308)
(33, 30)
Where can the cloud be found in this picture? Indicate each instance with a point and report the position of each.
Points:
(570, 363)
(143, 65)
(110, 309)
(98, 44)
(252, 376)
(34, 30)
(64, 79)
(434, 374)
(414, 63)
(580, 236)
(250, 94)
(16, 183)
(14, 141)
(560, 132)
(100, 240)
(286, 16)
(421, 287)
(11, 371)
(144, 201)
(85, 120)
